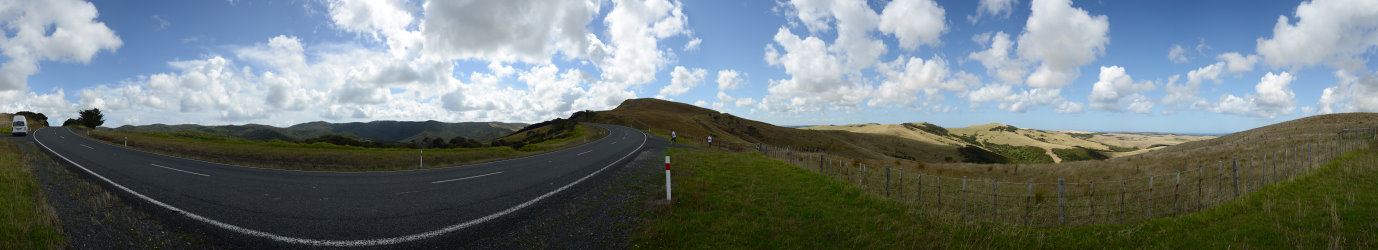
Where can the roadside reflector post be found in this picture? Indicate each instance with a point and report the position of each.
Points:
(421, 162)
(126, 141)
(667, 177)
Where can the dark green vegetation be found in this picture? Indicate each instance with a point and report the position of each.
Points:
(927, 127)
(382, 132)
(1078, 154)
(90, 118)
(26, 220)
(745, 200)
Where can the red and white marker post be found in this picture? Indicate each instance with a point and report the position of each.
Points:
(667, 177)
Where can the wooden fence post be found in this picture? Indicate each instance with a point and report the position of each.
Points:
(1123, 191)
(964, 198)
(1176, 194)
(1235, 176)
(1093, 202)
(920, 196)
(1061, 202)
(887, 181)
(1148, 206)
(1219, 182)
(994, 201)
(940, 193)
(1028, 199)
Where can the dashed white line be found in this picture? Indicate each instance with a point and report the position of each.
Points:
(585, 152)
(179, 170)
(465, 178)
(84, 145)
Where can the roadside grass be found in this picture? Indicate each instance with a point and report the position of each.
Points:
(321, 156)
(745, 200)
(26, 219)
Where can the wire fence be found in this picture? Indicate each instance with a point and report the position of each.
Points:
(1069, 203)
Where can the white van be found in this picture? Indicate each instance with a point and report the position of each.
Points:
(21, 126)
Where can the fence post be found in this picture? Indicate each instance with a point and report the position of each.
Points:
(1176, 195)
(1122, 194)
(964, 198)
(1148, 206)
(1028, 205)
(1093, 201)
(920, 196)
(1061, 202)
(1235, 176)
(994, 201)
(887, 181)
(940, 193)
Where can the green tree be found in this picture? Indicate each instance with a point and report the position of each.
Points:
(34, 118)
(91, 118)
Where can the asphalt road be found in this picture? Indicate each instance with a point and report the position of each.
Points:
(339, 208)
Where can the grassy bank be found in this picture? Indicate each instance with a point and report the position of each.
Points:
(745, 200)
(325, 156)
(26, 220)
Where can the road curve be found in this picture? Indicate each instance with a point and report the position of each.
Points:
(341, 208)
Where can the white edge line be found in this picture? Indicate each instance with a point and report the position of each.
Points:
(466, 178)
(348, 243)
(179, 170)
(357, 172)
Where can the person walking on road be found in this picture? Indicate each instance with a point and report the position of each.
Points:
(710, 141)
(673, 136)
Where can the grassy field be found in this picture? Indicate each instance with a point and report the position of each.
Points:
(745, 200)
(26, 220)
(325, 156)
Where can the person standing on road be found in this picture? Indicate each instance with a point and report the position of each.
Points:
(673, 136)
(710, 141)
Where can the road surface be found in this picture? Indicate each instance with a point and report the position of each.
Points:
(342, 208)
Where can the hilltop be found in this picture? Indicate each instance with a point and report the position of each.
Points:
(386, 131)
(695, 123)
(1025, 145)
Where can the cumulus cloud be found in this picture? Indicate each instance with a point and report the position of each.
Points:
(1061, 38)
(993, 8)
(681, 81)
(1272, 97)
(1116, 91)
(1008, 99)
(914, 22)
(997, 59)
(1334, 32)
(57, 30)
(1177, 54)
(485, 30)
(729, 80)
(905, 80)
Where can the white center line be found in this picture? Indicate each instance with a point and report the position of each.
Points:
(614, 142)
(585, 152)
(179, 170)
(465, 178)
(84, 145)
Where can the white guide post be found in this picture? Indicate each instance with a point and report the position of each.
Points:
(667, 177)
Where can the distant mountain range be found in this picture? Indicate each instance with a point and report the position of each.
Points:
(387, 131)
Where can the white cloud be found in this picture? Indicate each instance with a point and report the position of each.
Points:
(994, 8)
(56, 30)
(1334, 32)
(486, 30)
(1116, 90)
(914, 22)
(997, 58)
(1019, 102)
(1237, 63)
(1352, 93)
(1177, 54)
(904, 80)
(693, 45)
(1272, 98)
(632, 56)
(159, 23)
(729, 80)
(1061, 38)
(745, 102)
(681, 81)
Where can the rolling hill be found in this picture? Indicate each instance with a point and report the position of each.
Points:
(1028, 143)
(387, 131)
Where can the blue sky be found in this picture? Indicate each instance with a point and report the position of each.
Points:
(1166, 66)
